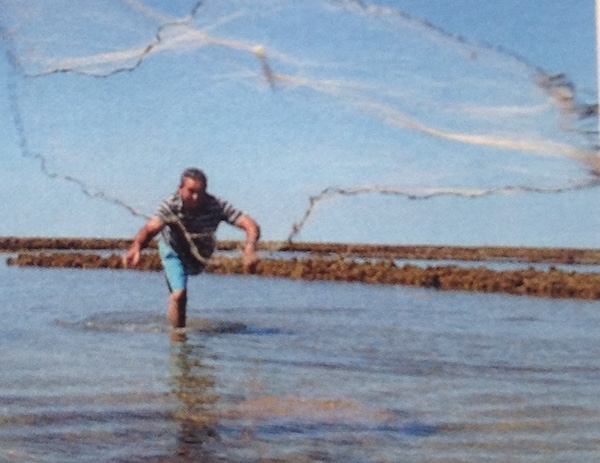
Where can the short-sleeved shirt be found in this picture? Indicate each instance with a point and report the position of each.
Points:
(200, 225)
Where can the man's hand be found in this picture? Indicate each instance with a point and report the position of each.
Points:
(251, 259)
(145, 235)
(252, 229)
(132, 258)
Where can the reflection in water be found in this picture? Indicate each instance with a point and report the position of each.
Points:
(193, 385)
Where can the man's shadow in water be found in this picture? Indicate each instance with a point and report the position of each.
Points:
(193, 383)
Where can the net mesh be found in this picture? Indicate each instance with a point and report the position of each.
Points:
(284, 102)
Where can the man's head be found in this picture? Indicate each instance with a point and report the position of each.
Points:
(192, 188)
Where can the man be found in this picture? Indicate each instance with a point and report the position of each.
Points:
(187, 222)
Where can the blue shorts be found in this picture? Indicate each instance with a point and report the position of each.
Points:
(175, 270)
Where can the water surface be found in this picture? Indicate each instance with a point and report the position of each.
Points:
(290, 371)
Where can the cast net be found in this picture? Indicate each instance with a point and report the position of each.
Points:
(285, 105)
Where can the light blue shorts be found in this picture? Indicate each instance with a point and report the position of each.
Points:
(175, 270)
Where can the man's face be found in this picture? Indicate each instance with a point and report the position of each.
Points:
(192, 193)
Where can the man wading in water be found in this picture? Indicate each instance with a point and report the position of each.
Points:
(187, 222)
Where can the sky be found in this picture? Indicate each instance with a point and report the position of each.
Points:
(412, 99)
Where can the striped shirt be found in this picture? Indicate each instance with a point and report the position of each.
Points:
(200, 225)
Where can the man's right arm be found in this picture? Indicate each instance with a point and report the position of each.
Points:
(142, 239)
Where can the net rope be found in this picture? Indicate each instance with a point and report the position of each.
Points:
(431, 114)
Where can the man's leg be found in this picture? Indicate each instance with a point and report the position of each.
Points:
(177, 306)
(177, 281)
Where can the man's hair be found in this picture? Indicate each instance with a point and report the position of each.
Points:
(195, 174)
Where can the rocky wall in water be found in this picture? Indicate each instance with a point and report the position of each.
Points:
(530, 282)
(422, 252)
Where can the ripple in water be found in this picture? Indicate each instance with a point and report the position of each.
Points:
(142, 322)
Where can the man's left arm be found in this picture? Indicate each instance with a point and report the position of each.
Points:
(252, 229)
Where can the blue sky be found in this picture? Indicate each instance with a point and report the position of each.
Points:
(348, 90)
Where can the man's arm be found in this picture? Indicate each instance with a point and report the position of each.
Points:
(142, 239)
(252, 229)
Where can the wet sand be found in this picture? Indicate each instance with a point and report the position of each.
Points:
(346, 262)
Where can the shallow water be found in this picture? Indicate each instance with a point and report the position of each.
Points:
(289, 371)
